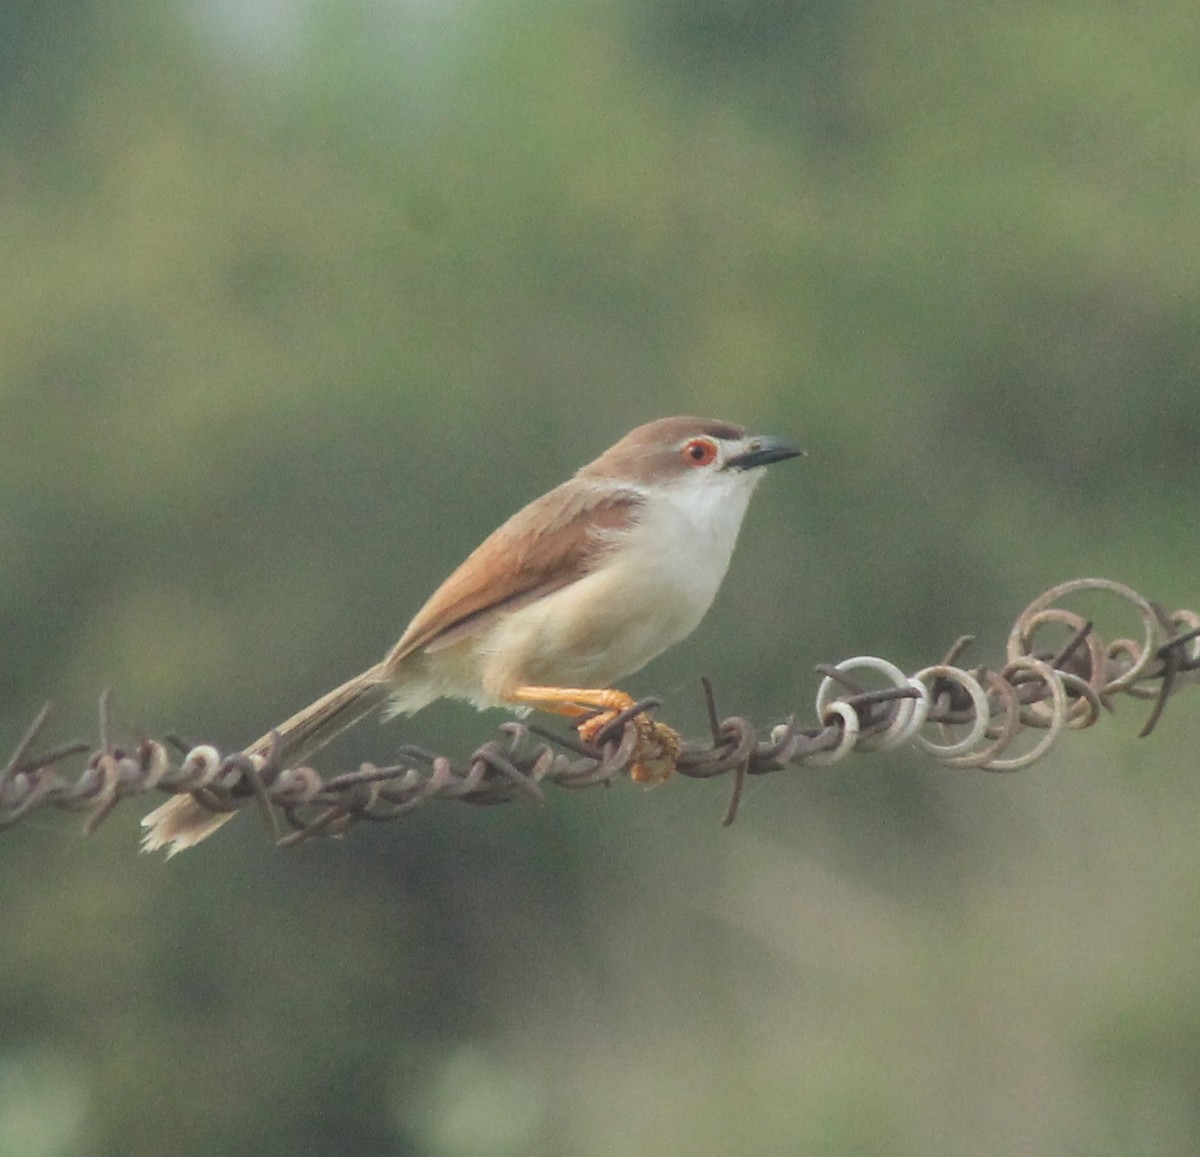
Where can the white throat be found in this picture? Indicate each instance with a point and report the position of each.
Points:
(694, 524)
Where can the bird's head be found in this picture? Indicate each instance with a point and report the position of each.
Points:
(699, 454)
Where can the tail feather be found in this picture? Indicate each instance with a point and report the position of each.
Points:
(323, 721)
(181, 822)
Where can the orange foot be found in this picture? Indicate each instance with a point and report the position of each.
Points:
(657, 747)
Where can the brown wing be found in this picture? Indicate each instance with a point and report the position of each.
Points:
(547, 545)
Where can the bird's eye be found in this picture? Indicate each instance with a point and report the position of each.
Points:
(700, 452)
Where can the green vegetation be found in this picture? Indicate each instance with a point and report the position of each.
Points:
(300, 301)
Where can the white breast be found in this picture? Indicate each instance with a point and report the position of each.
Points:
(650, 590)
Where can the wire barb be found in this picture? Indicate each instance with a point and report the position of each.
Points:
(963, 718)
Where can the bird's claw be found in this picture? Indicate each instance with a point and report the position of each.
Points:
(655, 753)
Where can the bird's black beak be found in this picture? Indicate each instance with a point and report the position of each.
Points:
(761, 451)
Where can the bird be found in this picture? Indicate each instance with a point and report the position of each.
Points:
(578, 589)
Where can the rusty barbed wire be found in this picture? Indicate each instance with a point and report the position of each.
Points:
(964, 718)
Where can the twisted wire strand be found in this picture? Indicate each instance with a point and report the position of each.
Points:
(989, 719)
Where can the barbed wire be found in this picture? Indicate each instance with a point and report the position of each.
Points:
(996, 719)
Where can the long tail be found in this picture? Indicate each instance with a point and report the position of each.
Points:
(182, 822)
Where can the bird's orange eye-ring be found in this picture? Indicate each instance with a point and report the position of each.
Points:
(700, 451)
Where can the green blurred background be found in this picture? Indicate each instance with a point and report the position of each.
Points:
(300, 298)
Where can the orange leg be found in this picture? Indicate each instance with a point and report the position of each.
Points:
(658, 744)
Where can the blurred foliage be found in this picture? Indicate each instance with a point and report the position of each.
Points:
(300, 300)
